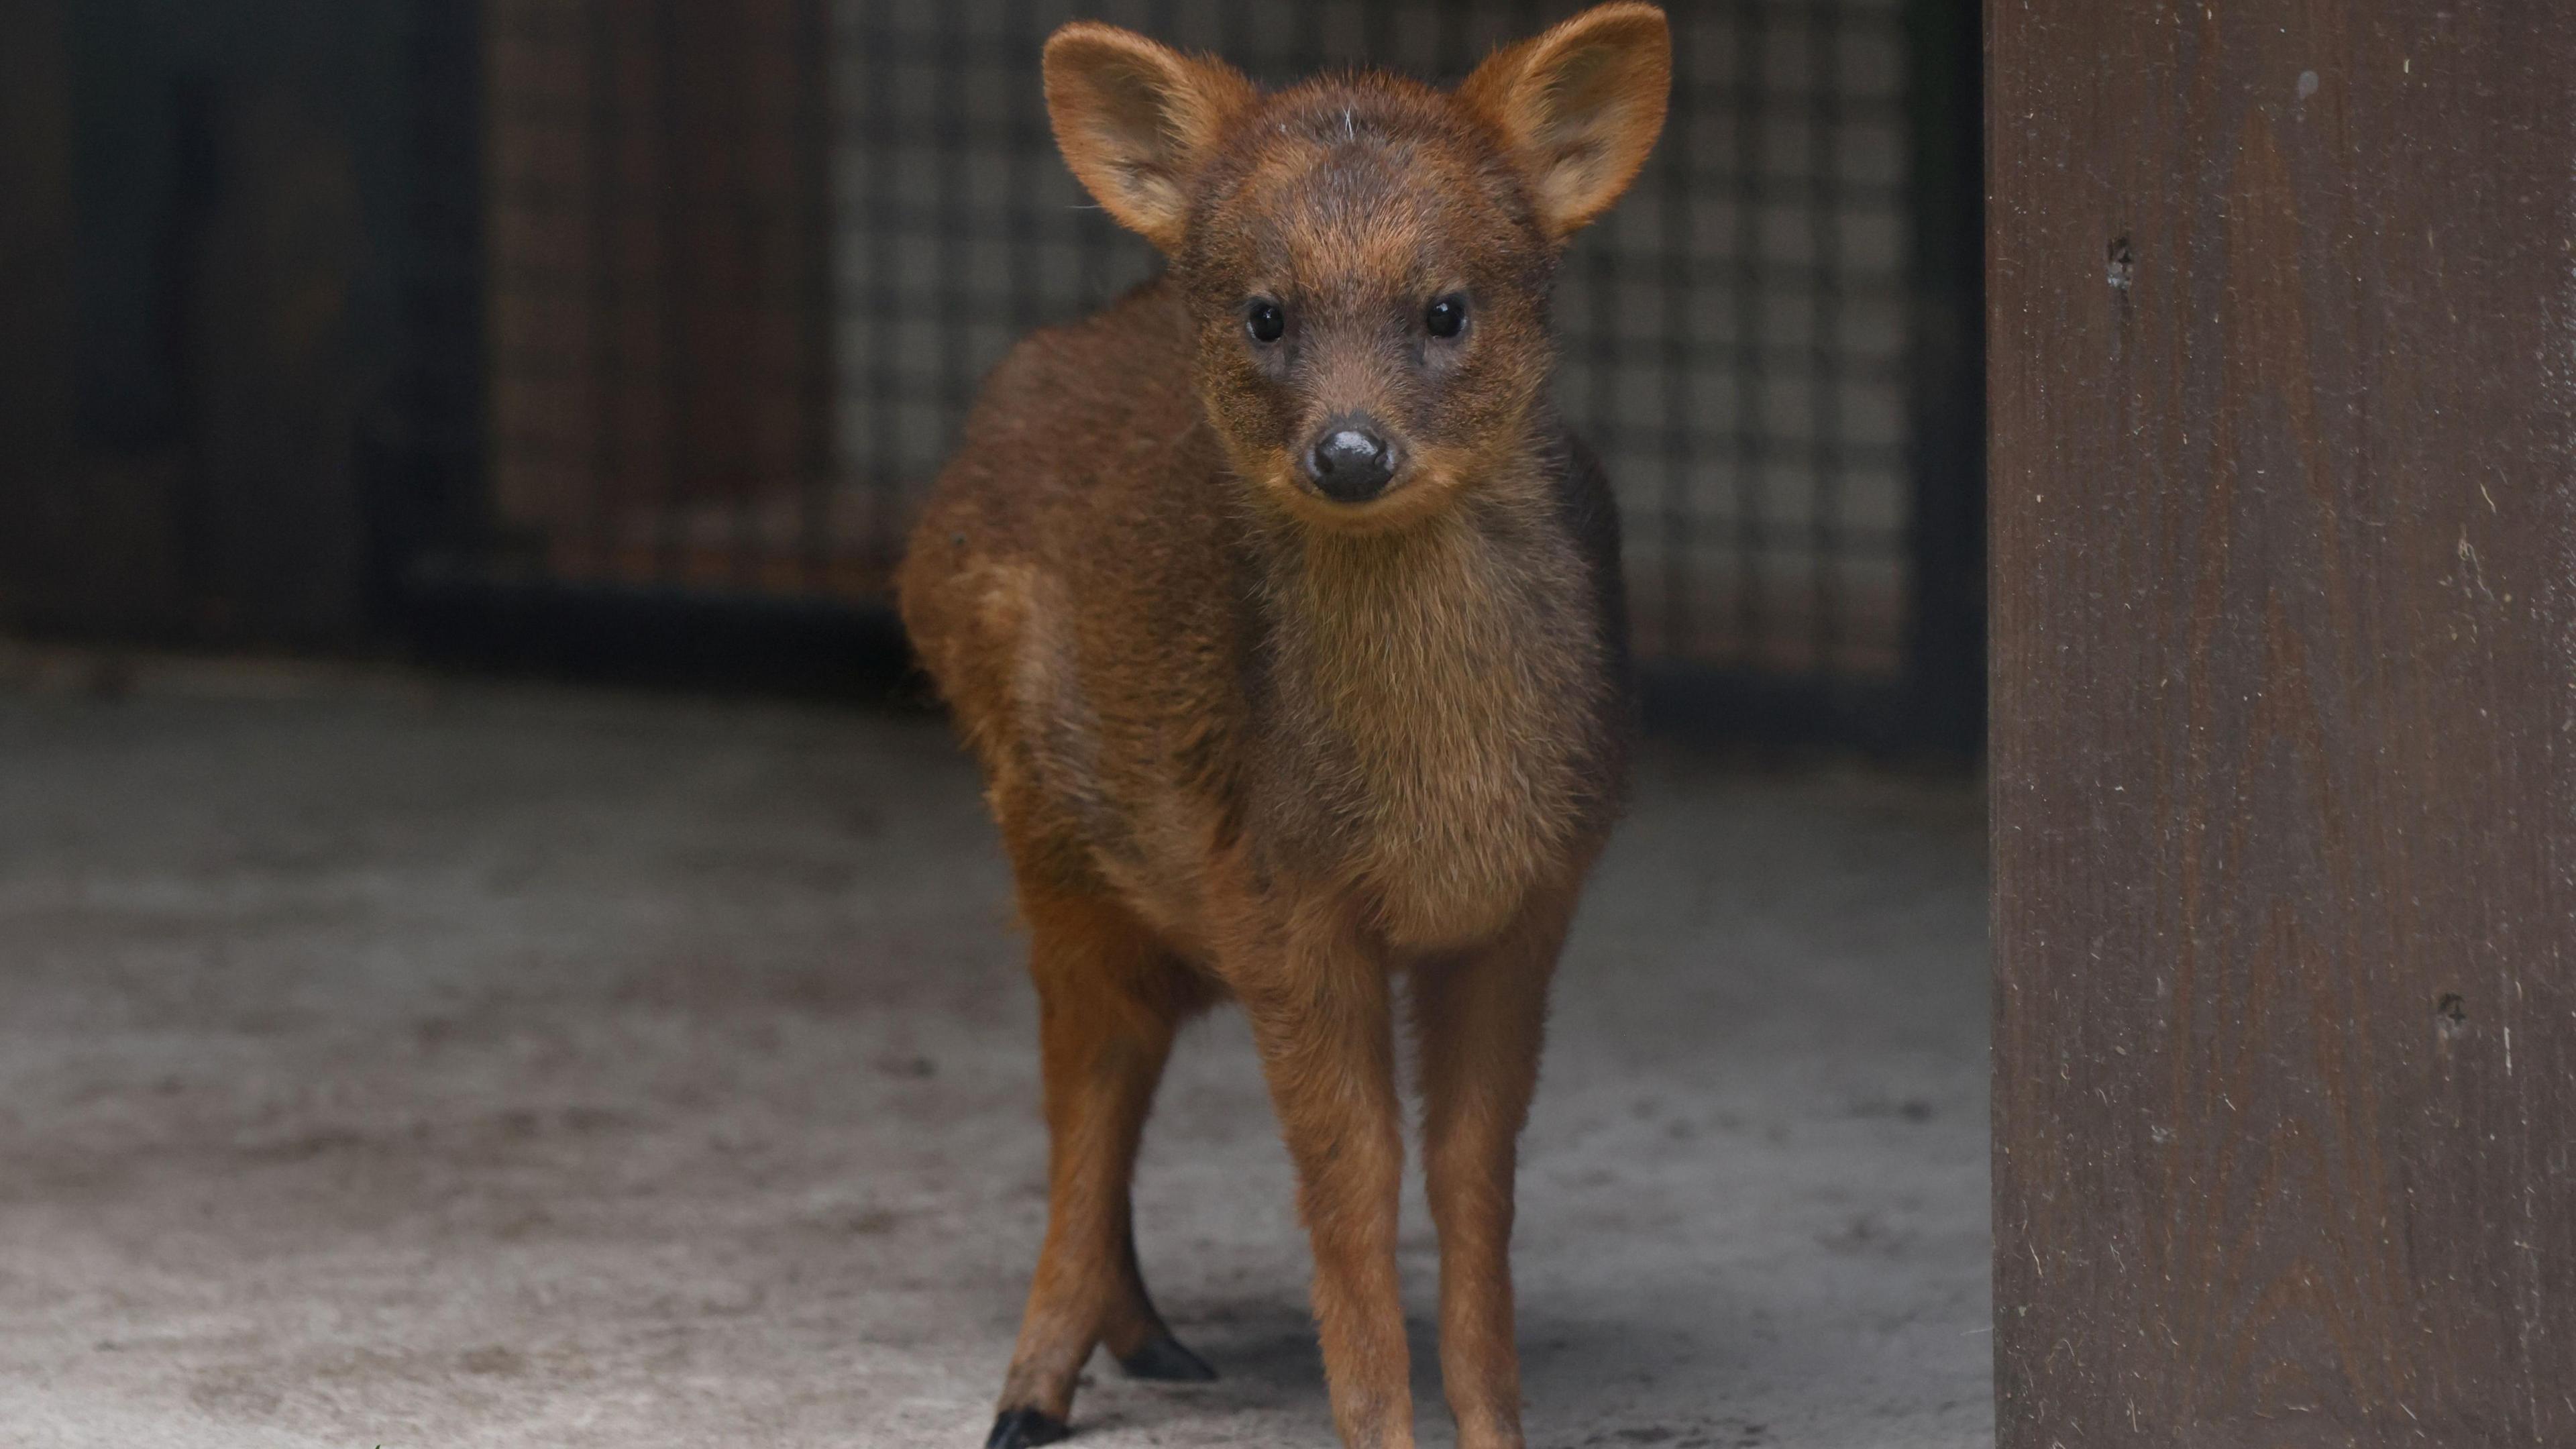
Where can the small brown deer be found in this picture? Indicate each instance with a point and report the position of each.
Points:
(1284, 616)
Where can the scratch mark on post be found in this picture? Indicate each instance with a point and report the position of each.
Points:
(2477, 576)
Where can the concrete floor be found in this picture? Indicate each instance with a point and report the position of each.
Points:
(388, 1062)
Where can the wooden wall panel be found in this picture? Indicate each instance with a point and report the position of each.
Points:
(2283, 391)
(35, 299)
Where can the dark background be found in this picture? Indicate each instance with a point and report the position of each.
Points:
(621, 339)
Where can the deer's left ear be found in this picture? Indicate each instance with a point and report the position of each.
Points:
(1581, 106)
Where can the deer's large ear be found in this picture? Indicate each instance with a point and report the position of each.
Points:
(1135, 120)
(1581, 106)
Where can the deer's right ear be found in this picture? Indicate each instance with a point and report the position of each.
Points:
(1135, 120)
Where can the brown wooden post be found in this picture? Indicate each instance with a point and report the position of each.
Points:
(2283, 379)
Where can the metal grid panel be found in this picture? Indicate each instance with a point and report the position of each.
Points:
(750, 262)
(660, 304)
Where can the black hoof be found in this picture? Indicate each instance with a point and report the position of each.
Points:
(1164, 1360)
(1025, 1429)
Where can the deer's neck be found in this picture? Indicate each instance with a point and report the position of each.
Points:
(1440, 690)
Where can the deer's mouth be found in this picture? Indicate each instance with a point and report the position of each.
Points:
(1418, 489)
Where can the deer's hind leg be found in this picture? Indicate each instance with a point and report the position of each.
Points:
(1110, 999)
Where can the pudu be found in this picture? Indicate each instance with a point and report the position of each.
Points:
(1284, 616)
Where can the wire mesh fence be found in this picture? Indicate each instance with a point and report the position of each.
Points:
(747, 264)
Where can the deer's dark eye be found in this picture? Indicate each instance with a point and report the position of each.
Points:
(1265, 321)
(1447, 317)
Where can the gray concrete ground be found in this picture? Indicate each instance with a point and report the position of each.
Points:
(387, 1062)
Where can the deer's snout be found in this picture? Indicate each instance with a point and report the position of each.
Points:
(1350, 460)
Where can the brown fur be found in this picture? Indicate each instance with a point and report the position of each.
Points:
(1245, 740)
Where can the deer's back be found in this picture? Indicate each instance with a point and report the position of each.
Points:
(1068, 586)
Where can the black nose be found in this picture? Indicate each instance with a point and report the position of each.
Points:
(1350, 463)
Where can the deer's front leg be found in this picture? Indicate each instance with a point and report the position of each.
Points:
(1317, 996)
(1477, 1018)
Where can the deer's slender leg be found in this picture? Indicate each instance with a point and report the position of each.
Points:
(1109, 999)
(1317, 996)
(1478, 1019)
